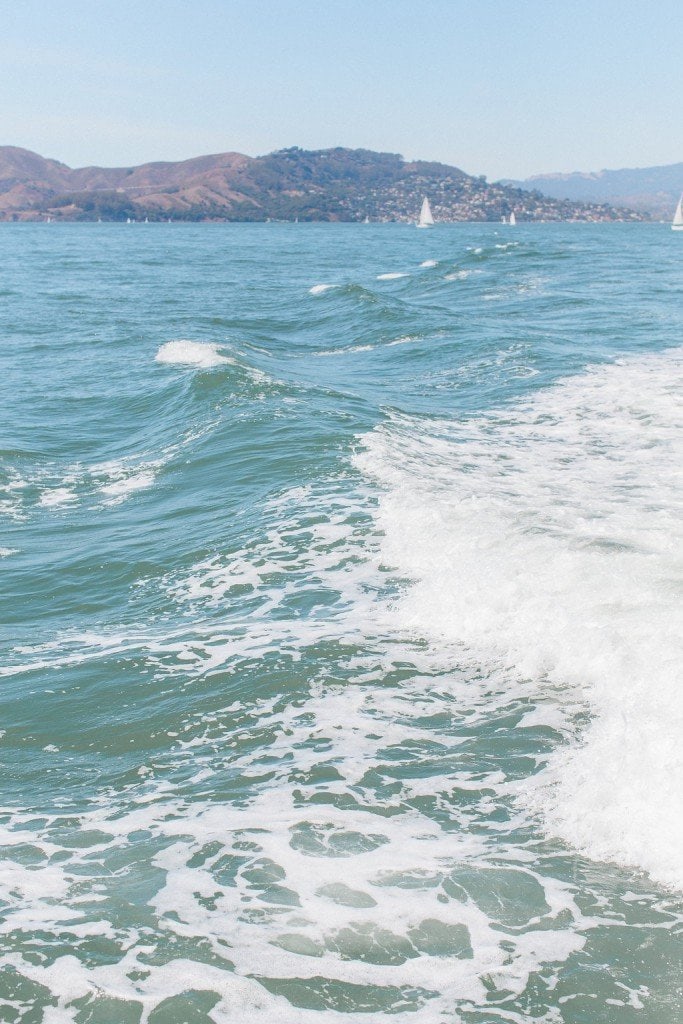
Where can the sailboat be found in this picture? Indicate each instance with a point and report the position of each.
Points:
(513, 219)
(426, 220)
(677, 222)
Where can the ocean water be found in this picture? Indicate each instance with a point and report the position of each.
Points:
(341, 624)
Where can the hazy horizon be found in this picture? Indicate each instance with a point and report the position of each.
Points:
(497, 91)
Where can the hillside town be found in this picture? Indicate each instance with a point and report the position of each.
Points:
(473, 199)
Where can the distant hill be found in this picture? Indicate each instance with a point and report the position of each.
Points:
(319, 185)
(654, 190)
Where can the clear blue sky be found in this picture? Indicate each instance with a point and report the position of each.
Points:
(497, 87)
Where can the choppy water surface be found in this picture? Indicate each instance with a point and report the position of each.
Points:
(341, 591)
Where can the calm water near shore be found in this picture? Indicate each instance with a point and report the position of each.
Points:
(341, 614)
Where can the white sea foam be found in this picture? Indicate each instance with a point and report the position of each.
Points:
(71, 486)
(429, 263)
(404, 340)
(548, 538)
(57, 496)
(319, 289)
(191, 353)
(303, 880)
(391, 277)
(116, 479)
(459, 275)
(113, 480)
(338, 864)
(345, 350)
(124, 486)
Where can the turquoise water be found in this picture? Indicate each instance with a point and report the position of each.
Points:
(341, 595)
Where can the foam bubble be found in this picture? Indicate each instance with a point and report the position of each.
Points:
(191, 353)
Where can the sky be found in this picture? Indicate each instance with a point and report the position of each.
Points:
(505, 88)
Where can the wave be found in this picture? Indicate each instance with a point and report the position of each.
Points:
(319, 289)
(309, 879)
(63, 487)
(203, 354)
(339, 844)
(460, 275)
(545, 538)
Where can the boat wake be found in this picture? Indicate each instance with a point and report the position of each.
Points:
(546, 539)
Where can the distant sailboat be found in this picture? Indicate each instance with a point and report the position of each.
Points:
(513, 219)
(426, 220)
(677, 223)
(367, 220)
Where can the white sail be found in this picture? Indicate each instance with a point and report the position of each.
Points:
(513, 219)
(677, 224)
(426, 220)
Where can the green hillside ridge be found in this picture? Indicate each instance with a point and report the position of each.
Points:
(309, 185)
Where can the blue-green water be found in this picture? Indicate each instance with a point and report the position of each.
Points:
(340, 624)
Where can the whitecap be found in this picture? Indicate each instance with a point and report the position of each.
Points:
(345, 351)
(318, 289)
(391, 277)
(404, 340)
(429, 263)
(121, 488)
(191, 353)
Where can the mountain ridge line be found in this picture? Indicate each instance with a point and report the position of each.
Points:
(335, 184)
